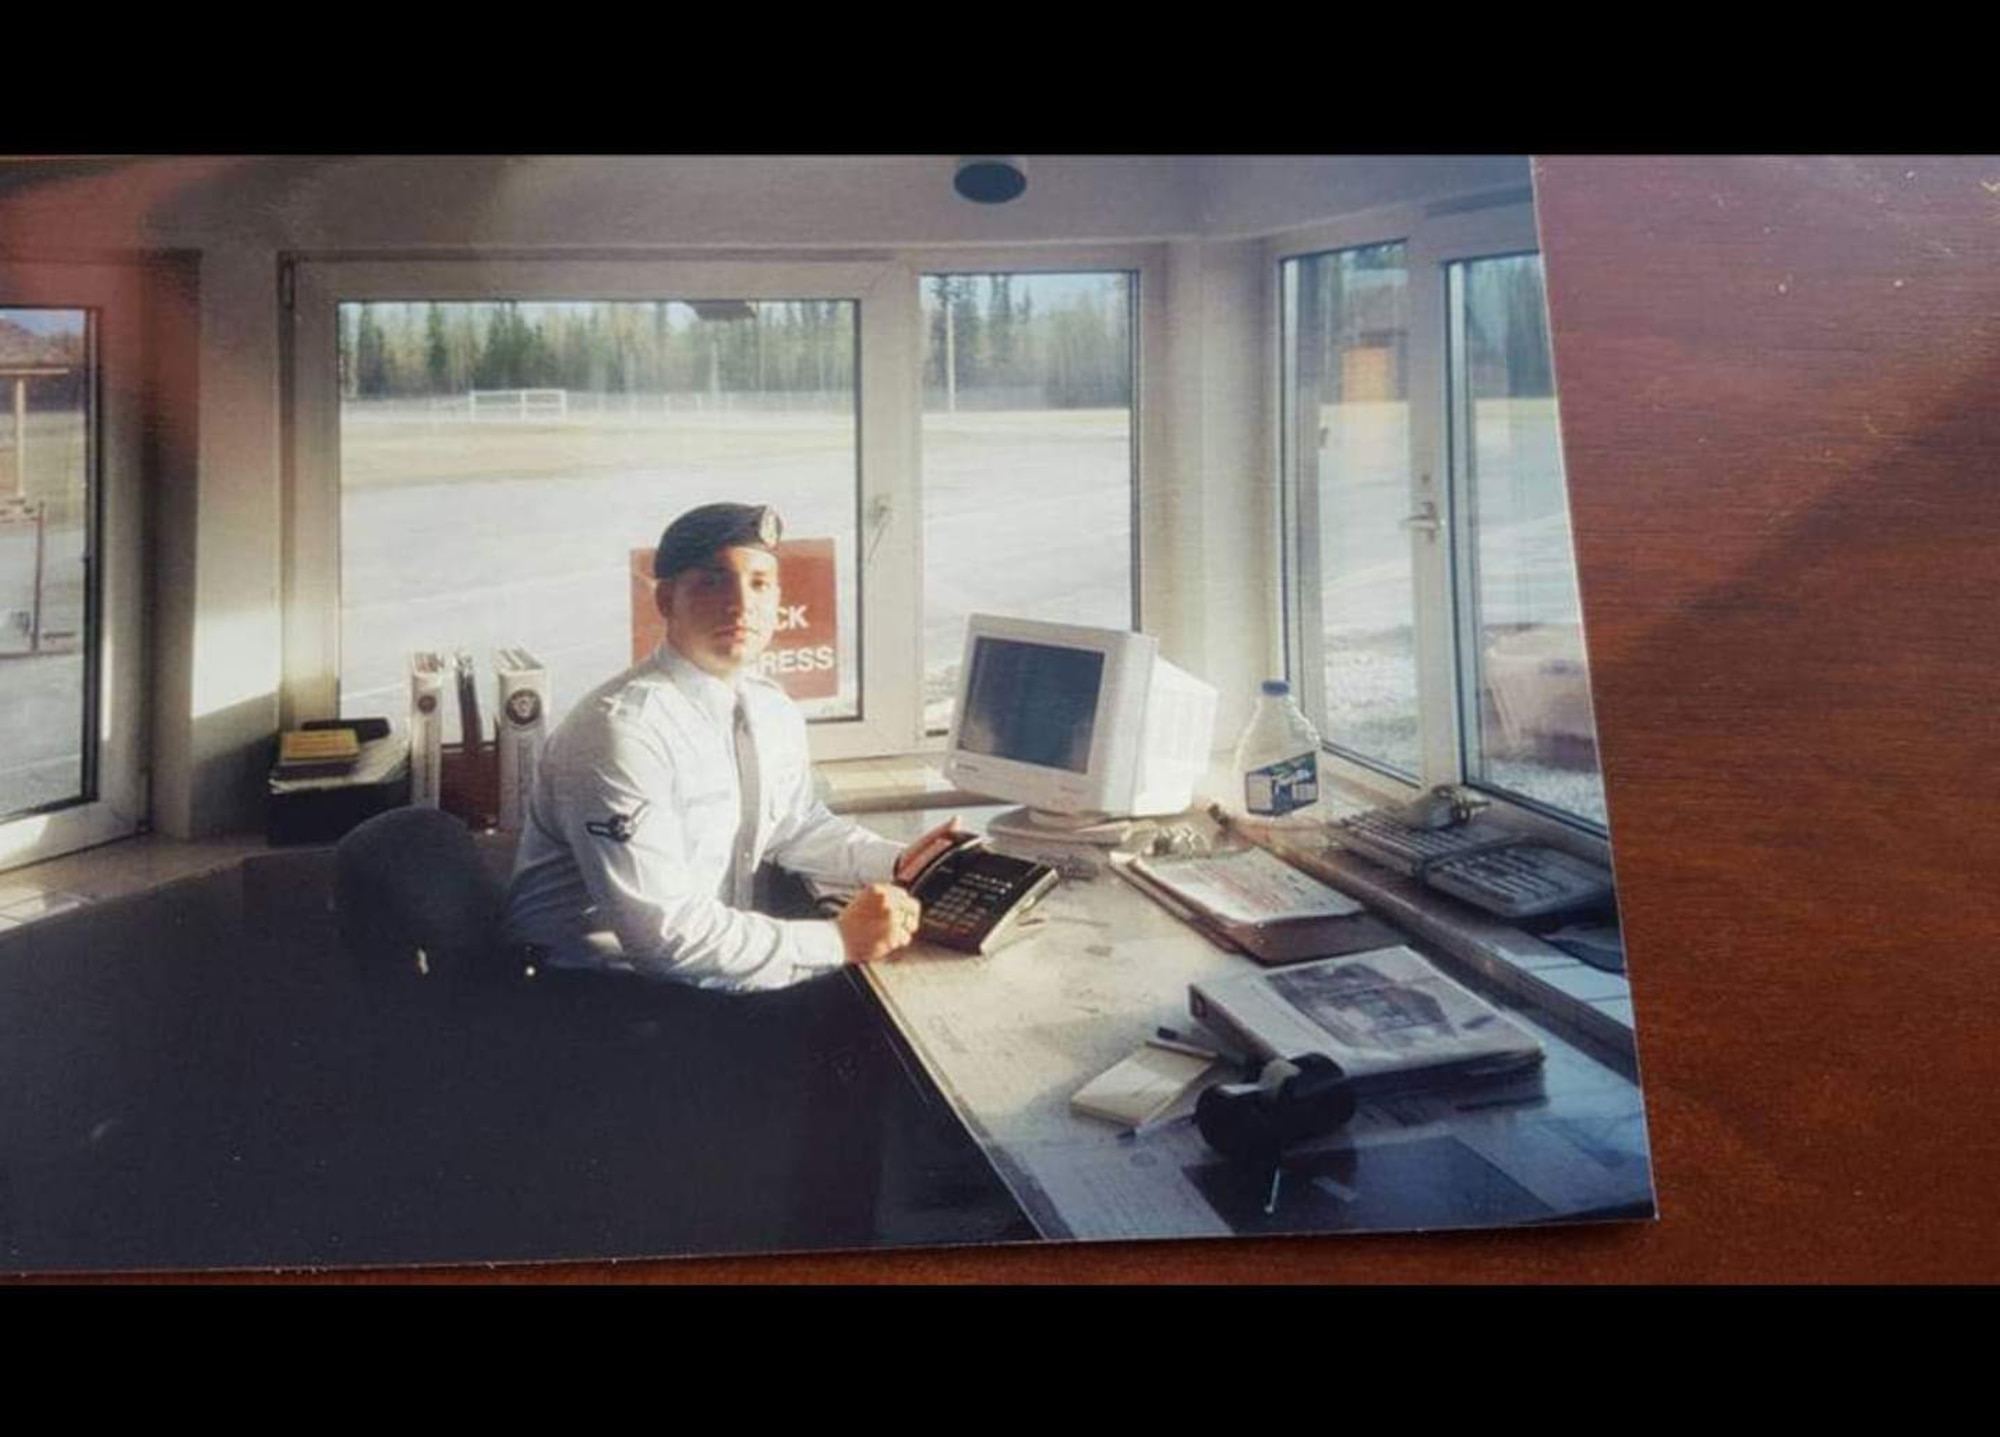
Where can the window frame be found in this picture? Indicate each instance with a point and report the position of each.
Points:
(116, 761)
(1146, 264)
(889, 499)
(887, 526)
(1435, 237)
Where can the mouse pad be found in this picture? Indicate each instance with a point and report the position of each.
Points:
(1431, 1182)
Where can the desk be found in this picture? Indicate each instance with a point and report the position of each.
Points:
(1008, 1038)
(192, 1077)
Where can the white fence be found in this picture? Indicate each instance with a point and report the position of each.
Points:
(559, 405)
(477, 404)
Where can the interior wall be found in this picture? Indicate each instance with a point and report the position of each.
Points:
(218, 644)
(1216, 591)
(1240, 195)
(173, 459)
(399, 202)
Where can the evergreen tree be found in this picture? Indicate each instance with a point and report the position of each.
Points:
(370, 376)
(346, 324)
(1529, 375)
(1000, 329)
(437, 354)
(935, 373)
(970, 333)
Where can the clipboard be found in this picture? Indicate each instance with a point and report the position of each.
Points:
(1270, 944)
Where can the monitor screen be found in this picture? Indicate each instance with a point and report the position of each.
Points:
(1031, 703)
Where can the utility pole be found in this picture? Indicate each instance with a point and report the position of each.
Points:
(950, 352)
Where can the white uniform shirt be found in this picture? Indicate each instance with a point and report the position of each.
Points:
(625, 856)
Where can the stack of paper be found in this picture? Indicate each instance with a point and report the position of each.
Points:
(1142, 1087)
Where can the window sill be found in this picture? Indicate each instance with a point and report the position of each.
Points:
(888, 785)
(1587, 1004)
(129, 866)
(112, 870)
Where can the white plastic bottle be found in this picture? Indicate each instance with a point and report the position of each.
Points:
(1278, 758)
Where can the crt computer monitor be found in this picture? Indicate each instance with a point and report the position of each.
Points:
(1079, 725)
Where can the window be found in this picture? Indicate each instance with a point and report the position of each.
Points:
(1431, 598)
(1527, 727)
(1347, 367)
(1030, 457)
(506, 467)
(478, 450)
(484, 455)
(71, 747)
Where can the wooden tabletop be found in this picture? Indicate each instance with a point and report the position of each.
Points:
(1781, 426)
(1778, 394)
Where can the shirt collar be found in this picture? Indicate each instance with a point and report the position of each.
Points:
(711, 695)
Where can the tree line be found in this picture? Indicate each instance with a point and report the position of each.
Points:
(983, 335)
(1072, 355)
(1358, 300)
(432, 349)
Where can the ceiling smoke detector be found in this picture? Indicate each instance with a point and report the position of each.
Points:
(991, 179)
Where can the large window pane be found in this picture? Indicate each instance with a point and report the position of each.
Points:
(1532, 735)
(47, 474)
(1028, 457)
(1347, 428)
(502, 461)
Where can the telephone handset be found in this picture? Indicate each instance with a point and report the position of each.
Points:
(1443, 807)
(973, 898)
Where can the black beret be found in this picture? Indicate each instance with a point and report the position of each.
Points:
(694, 537)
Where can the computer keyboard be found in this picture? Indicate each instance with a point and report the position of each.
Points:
(1524, 881)
(1380, 836)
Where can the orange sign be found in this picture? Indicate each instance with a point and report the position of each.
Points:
(804, 657)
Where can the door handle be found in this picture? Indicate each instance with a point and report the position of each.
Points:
(1425, 520)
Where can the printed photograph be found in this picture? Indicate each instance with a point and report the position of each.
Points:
(579, 708)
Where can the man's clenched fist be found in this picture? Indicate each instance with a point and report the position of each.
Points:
(881, 919)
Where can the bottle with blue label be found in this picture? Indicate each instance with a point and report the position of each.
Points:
(1278, 757)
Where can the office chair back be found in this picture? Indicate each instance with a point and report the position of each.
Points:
(416, 902)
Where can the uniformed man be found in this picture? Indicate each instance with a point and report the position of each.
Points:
(662, 791)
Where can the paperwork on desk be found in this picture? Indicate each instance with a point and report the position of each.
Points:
(1384, 1016)
(1141, 1087)
(1010, 1037)
(1247, 885)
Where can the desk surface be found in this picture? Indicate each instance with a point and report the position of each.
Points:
(195, 1077)
(1009, 1037)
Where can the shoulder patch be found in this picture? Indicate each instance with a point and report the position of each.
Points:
(620, 827)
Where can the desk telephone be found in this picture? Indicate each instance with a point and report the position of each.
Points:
(1442, 840)
(975, 898)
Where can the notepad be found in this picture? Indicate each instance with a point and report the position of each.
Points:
(317, 754)
(1141, 1087)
